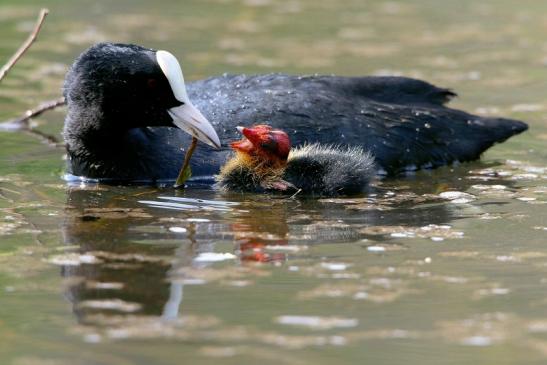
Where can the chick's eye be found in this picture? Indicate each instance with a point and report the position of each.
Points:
(152, 83)
(269, 145)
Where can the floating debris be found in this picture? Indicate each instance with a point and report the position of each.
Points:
(222, 203)
(129, 257)
(460, 254)
(200, 328)
(93, 338)
(169, 205)
(457, 197)
(432, 231)
(222, 274)
(110, 304)
(386, 202)
(489, 216)
(186, 204)
(376, 290)
(216, 351)
(103, 285)
(214, 257)
(480, 330)
(91, 214)
(315, 322)
(507, 258)
(74, 259)
(198, 220)
(490, 292)
(177, 229)
(289, 248)
(477, 341)
(513, 170)
(538, 326)
(376, 248)
(335, 266)
(239, 283)
(489, 187)
(527, 107)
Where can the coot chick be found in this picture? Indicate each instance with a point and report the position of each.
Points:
(118, 101)
(265, 162)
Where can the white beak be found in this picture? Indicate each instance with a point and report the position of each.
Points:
(186, 116)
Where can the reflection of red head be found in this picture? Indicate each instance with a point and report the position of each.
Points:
(253, 250)
(264, 142)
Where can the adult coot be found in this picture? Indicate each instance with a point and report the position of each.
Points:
(264, 162)
(123, 98)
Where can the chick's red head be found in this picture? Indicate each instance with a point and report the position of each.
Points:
(264, 142)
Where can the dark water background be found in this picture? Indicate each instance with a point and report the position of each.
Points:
(405, 275)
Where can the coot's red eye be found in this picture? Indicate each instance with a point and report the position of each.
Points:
(152, 83)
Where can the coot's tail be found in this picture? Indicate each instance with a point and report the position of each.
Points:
(451, 135)
(503, 128)
(481, 133)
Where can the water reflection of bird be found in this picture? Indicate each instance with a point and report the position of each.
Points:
(141, 261)
(264, 161)
(118, 95)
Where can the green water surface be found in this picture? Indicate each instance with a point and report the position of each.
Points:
(404, 275)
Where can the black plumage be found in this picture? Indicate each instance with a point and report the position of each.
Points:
(330, 170)
(116, 126)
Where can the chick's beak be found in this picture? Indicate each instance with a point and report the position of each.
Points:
(252, 134)
(188, 118)
(244, 145)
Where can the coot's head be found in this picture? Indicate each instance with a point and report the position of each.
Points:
(264, 143)
(114, 87)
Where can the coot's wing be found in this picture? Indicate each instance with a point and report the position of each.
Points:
(403, 122)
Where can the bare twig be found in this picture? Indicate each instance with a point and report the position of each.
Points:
(31, 38)
(22, 123)
(183, 173)
(43, 107)
(46, 137)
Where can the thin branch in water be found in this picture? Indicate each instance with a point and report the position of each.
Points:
(185, 171)
(22, 123)
(46, 137)
(25, 46)
(31, 113)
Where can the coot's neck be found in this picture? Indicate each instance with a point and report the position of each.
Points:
(94, 143)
